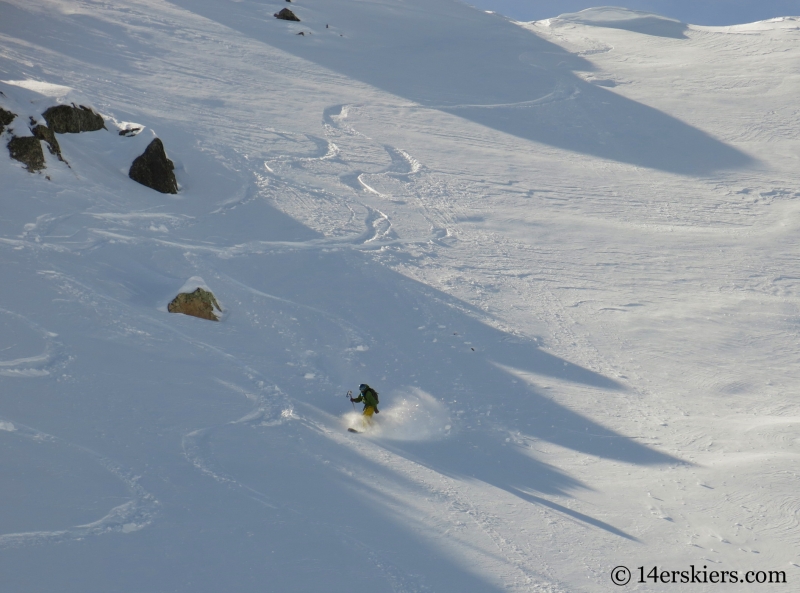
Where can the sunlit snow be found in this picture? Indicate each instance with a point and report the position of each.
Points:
(565, 253)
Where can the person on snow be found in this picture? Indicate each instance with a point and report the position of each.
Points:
(369, 397)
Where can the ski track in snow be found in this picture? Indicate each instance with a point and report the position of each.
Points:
(634, 274)
(136, 514)
(52, 358)
(402, 169)
(268, 410)
(377, 231)
(452, 511)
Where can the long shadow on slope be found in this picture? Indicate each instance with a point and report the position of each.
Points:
(649, 25)
(332, 507)
(417, 338)
(485, 457)
(425, 338)
(447, 56)
(486, 401)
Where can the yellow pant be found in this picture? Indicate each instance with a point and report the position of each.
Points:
(367, 415)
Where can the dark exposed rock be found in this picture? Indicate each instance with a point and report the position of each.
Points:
(66, 119)
(27, 150)
(129, 132)
(200, 303)
(44, 133)
(6, 117)
(286, 15)
(154, 169)
(301, 33)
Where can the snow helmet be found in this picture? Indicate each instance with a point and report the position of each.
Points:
(363, 387)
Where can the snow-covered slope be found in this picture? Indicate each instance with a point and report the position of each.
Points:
(565, 253)
(715, 12)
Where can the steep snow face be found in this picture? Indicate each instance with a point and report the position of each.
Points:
(565, 254)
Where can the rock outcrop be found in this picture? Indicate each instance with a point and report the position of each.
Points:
(27, 150)
(153, 169)
(200, 303)
(45, 133)
(286, 15)
(129, 132)
(66, 119)
(6, 117)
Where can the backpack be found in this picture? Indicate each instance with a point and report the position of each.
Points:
(375, 395)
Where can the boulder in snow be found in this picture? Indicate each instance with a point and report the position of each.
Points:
(153, 169)
(200, 303)
(27, 150)
(73, 119)
(286, 15)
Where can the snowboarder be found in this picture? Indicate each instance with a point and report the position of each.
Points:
(369, 397)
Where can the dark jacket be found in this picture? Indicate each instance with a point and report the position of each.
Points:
(369, 398)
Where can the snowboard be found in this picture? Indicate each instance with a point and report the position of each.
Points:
(354, 430)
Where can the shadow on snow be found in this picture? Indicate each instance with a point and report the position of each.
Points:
(421, 338)
(448, 56)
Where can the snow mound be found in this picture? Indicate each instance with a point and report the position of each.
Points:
(193, 284)
(614, 17)
(609, 14)
(414, 416)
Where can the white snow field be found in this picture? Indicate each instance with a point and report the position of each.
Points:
(700, 12)
(566, 253)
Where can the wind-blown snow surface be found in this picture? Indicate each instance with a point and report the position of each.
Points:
(706, 12)
(565, 254)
